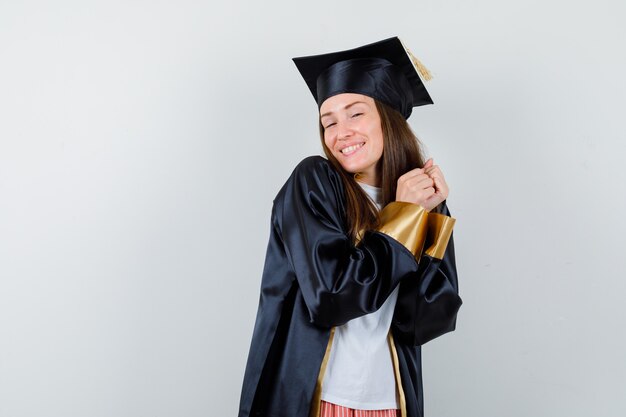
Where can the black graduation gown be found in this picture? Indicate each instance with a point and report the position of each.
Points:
(315, 278)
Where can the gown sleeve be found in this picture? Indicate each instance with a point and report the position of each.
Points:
(338, 279)
(427, 304)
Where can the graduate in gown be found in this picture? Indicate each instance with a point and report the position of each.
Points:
(334, 258)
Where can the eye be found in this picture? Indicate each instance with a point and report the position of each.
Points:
(329, 125)
(356, 115)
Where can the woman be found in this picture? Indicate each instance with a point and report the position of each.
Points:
(360, 268)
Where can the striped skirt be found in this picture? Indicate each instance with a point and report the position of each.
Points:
(333, 410)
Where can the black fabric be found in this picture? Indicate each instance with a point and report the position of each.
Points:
(373, 77)
(426, 307)
(381, 70)
(314, 279)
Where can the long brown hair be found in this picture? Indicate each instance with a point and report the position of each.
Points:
(402, 152)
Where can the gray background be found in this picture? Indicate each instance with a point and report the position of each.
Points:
(142, 143)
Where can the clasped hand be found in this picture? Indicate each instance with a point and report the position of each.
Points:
(425, 186)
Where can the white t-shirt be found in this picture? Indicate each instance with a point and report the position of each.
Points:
(360, 373)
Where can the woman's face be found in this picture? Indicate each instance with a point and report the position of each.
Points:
(353, 133)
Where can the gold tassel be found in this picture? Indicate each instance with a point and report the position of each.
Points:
(421, 69)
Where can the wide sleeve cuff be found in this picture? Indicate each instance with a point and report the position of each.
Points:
(439, 232)
(405, 222)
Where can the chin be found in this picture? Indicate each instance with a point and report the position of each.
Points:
(352, 168)
(349, 167)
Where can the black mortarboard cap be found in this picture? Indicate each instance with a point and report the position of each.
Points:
(384, 70)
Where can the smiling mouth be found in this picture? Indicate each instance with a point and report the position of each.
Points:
(351, 149)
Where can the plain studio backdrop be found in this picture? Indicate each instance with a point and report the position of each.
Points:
(142, 144)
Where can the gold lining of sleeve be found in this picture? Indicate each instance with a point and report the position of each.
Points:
(439, 232)
(406, 223)
(396, 371)
(317, 394)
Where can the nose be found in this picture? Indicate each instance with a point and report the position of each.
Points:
(343, 130)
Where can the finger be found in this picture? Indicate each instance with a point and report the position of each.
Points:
(434, 174)
(417, 180)
(435, 169)
(431, 168)
(425, 183)
(441, 186)
(438, 180)
(428, 163)
(434, 200)
(411, 174)
(424, 187)
(438, 197)
(437, 183)
(438, 176)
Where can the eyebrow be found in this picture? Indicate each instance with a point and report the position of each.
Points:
(345, 108)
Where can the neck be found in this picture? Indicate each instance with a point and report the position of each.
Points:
(367, 179)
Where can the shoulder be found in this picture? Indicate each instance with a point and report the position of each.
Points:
(314, 164)
(313, 170)
(317, 173)
(314, 176)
